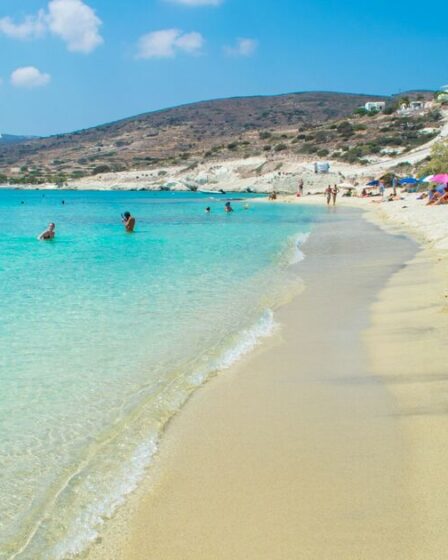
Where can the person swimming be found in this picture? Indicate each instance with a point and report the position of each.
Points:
(128, 221)
(228, 208)
(208, 210)
(49, 233)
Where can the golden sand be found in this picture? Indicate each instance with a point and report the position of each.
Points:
(313, 448)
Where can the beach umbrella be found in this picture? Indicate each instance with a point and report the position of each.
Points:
(409, 181)
(373, 183)
(440, 178)
(427, 179)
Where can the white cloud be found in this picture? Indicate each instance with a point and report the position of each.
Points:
(73, 21)
(194, 3)
(243, 47)
(190, 42)
(29, 77)
(166, 43)
(31, 27)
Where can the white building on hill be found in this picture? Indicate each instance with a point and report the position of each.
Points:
(375, 106)
(443, 95)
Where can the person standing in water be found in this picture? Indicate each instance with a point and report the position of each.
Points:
(328, 193)
(128, 221)
(334, 194)
(228, 208)
(49, 233)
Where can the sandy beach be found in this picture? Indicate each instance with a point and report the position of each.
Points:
(329, 440)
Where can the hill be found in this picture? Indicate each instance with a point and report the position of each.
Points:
(301, 123)
(12, 139)
(172, 133)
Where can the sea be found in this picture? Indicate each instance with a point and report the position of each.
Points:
(104, 335)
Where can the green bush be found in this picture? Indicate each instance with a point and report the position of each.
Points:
(280, 147)
(323, 152)
(361, 112)
(101, 169)
(438, 162)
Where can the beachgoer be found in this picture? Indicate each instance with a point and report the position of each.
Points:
(300, 188)
(328, 193)
(62, 201)
(208, 210)
(228, 208)
(334, 194)
(364, 192)
(382, 188)
(128, 221)
(443, 198)
(394, 186)
(49, 233)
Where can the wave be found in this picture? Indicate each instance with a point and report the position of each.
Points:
(297, 254)
(84, 528)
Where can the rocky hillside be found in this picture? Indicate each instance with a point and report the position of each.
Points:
(172, 133)
(313, 124)
(12, 139)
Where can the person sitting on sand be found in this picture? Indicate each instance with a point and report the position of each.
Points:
(128, 221)
(328, 193)
(228, 208)
(49, 233)
(443, 198)
(435, 195)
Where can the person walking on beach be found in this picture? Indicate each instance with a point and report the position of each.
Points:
(128, 221)
(300, 188)
(394, 186)
(382, 188)
(334, 194)
(328, 193)
(48, 234)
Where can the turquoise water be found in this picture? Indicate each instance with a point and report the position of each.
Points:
(105, 334)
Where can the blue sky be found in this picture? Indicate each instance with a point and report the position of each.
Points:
(71, 64)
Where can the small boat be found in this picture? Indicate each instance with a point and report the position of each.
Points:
(206, 191)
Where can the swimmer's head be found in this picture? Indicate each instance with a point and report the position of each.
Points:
(51, 226)
(127, 215)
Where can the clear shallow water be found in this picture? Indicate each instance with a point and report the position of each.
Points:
(103, 336)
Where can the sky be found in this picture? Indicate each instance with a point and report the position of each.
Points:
(66, 65)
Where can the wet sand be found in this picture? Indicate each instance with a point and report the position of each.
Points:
(301, 450)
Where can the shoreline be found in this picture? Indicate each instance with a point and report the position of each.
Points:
(125, 537)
